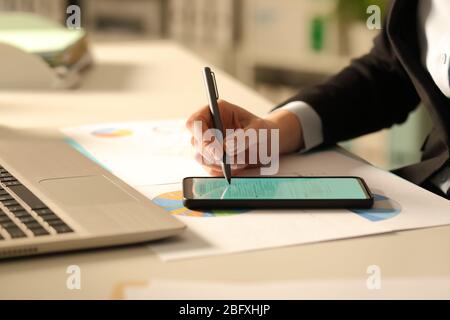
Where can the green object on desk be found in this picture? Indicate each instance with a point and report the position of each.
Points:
(317, 33)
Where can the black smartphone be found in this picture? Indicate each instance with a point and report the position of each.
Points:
(276, 192)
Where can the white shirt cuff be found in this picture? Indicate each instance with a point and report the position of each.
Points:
(442, 179)
(310, 121)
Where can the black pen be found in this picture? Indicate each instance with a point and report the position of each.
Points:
(213, 96)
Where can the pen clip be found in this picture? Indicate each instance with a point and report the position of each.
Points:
(215, 85)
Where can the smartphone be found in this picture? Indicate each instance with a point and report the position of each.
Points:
(276, 192)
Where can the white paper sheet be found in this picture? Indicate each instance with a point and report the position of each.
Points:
(140, 153)
(151, 168)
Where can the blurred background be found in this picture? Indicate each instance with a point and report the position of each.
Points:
(274, 46)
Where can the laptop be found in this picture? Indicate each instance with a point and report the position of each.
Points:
(52, 198)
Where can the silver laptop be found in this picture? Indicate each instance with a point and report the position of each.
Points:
(52, 198)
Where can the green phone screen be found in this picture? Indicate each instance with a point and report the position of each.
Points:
(278, 188)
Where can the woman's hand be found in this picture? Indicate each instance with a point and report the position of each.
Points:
(235, 117)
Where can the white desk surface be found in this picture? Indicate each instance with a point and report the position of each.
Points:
(157, 80)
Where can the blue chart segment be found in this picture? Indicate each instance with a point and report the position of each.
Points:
(383, 209)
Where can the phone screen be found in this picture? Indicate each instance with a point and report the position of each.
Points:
(276, 188)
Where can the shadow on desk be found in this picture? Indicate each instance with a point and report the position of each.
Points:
(108, 77)
(98, 77)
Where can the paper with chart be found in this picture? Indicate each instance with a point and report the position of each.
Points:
(140, 153)
(123, 148)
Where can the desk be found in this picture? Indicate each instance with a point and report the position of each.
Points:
(157, 80)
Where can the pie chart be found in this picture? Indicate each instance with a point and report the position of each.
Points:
(383, 208)
(112, 133)
(173, 202)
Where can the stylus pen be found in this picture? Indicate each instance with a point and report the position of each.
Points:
(213, 96)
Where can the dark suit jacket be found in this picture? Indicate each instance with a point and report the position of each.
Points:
(381, 89)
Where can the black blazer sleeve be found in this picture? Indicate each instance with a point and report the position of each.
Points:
(372, 93)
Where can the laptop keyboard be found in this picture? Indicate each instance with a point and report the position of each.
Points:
(33, 219)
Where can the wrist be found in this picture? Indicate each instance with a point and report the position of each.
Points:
(290, 134)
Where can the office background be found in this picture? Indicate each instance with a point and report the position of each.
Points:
(274, 46)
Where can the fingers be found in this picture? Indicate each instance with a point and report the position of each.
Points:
(213, 172)
(214, 168)
(203, 117)
(198, 124)
(217, 171)
(207, 152)
(205, 159)
(203, 142)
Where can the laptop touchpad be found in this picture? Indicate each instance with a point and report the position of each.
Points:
(85, 191)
